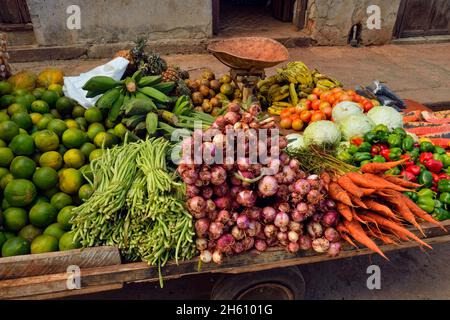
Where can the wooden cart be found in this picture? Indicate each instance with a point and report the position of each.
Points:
(45, 276)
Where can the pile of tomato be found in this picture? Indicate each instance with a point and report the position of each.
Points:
(319, 106)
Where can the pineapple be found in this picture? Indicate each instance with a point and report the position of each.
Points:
(171, 74)
(5, 70)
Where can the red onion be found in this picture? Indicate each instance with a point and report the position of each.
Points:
(269, 214)
(212, 216)
(199, 183)
(335, 249)
(223, 217)
(246, 198)
(330, 218)
(205, 176)
(217, 257)
(215, 230)
(192, 191)
(317, 217)
(260, 245)
(219, 140)
(201, 244)
(314, 181)
(314, 196)
(196, 204)
(330, 204)
(282, 236)
(293, 236)
(305, 243)
(293, 247)
(284, 157)
(238, 247)
(235, 205)
(248, 243)
(223, 203)
(274, 166)
(225, 243)
(207, 192)
(242, 222)
(281, 219)
(284, 207)
(243, 164)
(295, 226)
(210, 206)
(218, 175)
(235, 190)
(237, 233)
(283, 229)
(332, 235)
(252, 230)
(202, 226)
(320, 245)
(283, 143)
(283, 192)
(302, 207)
(233, 107)
(315, 229)
(235, 181)
(220, 122)
(302, 187)
(297, 216)
(206, 256)
(209, 149)
(268, 186)
(221, 190)
(294, 164)
(189, 176)
(254, 213)
(270, 231)
(289, 175)
(232, 117)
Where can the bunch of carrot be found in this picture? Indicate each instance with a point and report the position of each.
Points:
(372, 205)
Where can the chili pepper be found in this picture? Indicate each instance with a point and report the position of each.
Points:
(345, 156)
(357, 141)
(370, 137)
(439, 150)
(400, 131)
(395, 153)
(407, 143)
(361, 156)
(415, 170)
(412, 195)
(375, 150)
(385, 154)
(443, 176)
(380, 127)
(425, 156)
(408, 175)
(434, 165)
(393, 172)
(446, 160)
(379, 159)
(426, 203)
(408, 161)
(365, 162)
(443, 185)
(441, 214)
(426, 147)
(426, 192)
(394, 140)
(365, 147)
(445, 197)
(352, 149)
(425, 178)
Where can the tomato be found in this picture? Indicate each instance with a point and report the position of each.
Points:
(318, 115)
(325, 95)
(286, 123)
(345, 97)
(305, 116)
(317, 91)
(295, 116)
(297, 124)
(368, 105)
(324, 104)
(316, 104)
(357, 98)
(328, 111)
(308, 104)
(351, 92)
(300, 108)
(312, 97)
(337, 89)
(285, 113)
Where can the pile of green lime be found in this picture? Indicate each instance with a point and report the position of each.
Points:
(47, 141)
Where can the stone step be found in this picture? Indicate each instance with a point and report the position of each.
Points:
(37, 53)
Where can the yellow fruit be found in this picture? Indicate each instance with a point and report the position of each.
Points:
(74, 158)
(50, 76)
(70, 181)
(23, 80)
(51, 159)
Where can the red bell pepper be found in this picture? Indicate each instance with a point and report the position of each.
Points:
(384, 147)
(443, 176)
(408, 175)
(357, 141)
(435, 178)
(433, 165)
(408, 161)
(424, 156)
(415, 170)
(375, 150)
(385, 154)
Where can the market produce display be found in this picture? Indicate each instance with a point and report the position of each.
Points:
(433, 126)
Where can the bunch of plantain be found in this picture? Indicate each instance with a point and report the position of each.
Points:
(132, 96)
(290, 84)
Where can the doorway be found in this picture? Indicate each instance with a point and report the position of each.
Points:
(418, 18)
(15, 20)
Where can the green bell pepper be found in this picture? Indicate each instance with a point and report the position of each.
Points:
(426, 203)
(393, 172)
(446, 160)
(425, 192)
(412, 195)
(426, 147)
(441, 214)
(438, 204)
(394, 140)
(438, 157)
(408, 143)
(370, 137)
(378, 158)
(382, 136)
(395, 154)
(365, 162)
(400, 131)
(380, 127)
(444, 185)
(361, 156)
(352, 149)
(365, 147)
(439, 150)
(414, 153)
(425, 178)
(345, 156)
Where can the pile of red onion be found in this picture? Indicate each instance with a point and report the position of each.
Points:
(234, 212)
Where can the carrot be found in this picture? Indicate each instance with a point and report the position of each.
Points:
(378, 167)
(380, 208)
(339, 194)
(383, 182)
(356, 217)
(367, 181)
(357, 232)
(421, 213)
(402, 182)
(383, 237)
(345, 211)
(367, 192)
(391, 225)
(357, 201)
(347, 184)
(326, 180)
(343, 233)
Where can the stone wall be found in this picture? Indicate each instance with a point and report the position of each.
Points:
(112, 21)
(329, 21)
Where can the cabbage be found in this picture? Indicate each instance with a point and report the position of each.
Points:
(355, 126)
(295, 141)
(344, 109)
(343, 146)
(324, 133)
(388, 116)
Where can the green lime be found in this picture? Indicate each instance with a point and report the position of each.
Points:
(57, 126)
(30, 98)
(43, 122)
(16, 107)
(55, 230)
(64, 105)
(5, 204)
(93, 114)
(40, 106)
(72, 124)
(51, 159)
(15, 219)
(70, 181)
(24, 101)
(5, 88)
(57, 88)
(29, 232)
(38, 92)
(15, 246)
(8, 130)
(5, 180)
(64, 216)
(62, 149)
(61, 200)
(4, 116)
(44, 243)
(87, 148)
(50, 97)
(6, 156)
(35, 117)
(55, 114)
(42, 214)
(78, 111)
(3, 172)
(105, 140)
(51, 192)
(97, 153)
(74, 158)
(85, 192)
(6, 101)
(94, 129)
(82, 123)
(73, 138)
(45, 178)
(109, 124)
(22, 167)
(46, 140)
(23, 120)
(67, 242)
(120, 130)
(22, 145)
(20, 92)
(20, 192)
(2, 144)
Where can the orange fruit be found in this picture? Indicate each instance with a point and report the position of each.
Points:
(286, 123)
(285, 113)
(297, 124)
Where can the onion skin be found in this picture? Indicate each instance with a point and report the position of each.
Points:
(206, 256)
(332, 235)
(248, 243)
(282, 236)
(210, 206)
(335, 249)
(202, 227)
(217, 257)
(293, 247)
(293, 236)
(196, 204)
(320, 245)
(238, 247)
(270, 231)
(315, 229)
(242, 222)
(218, 175)
(260, 245)
(269, 214)
(302, 187)
(215, 230)
(207, 192)
(189, 176)
(281, 220)
(225, 243)
(221, 191)
(246, 198)
(192, 191)
(223, 217)
(295, 226)
(330, 218)
(314, 197)
(297, 216)
(223, 203)
(305, 243)
(268, 186)
(201, 244)
(237, 233)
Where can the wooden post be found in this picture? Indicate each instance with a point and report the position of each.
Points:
(300, 8)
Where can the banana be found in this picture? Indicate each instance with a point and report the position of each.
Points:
(115, 110)
(92, 94)
(107, 100)
(151, 123)
(149, 81)
(139, 107)
(155, 94)
(165, 87)
(100, 83)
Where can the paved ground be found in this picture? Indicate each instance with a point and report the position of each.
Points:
(420, 72)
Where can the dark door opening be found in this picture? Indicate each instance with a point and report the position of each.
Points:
(418, 18)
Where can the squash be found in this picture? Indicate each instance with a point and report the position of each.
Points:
(50, 76)
(23, 80)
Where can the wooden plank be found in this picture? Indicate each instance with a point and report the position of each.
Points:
(74, 293)
(57, 262)
(138, 272)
